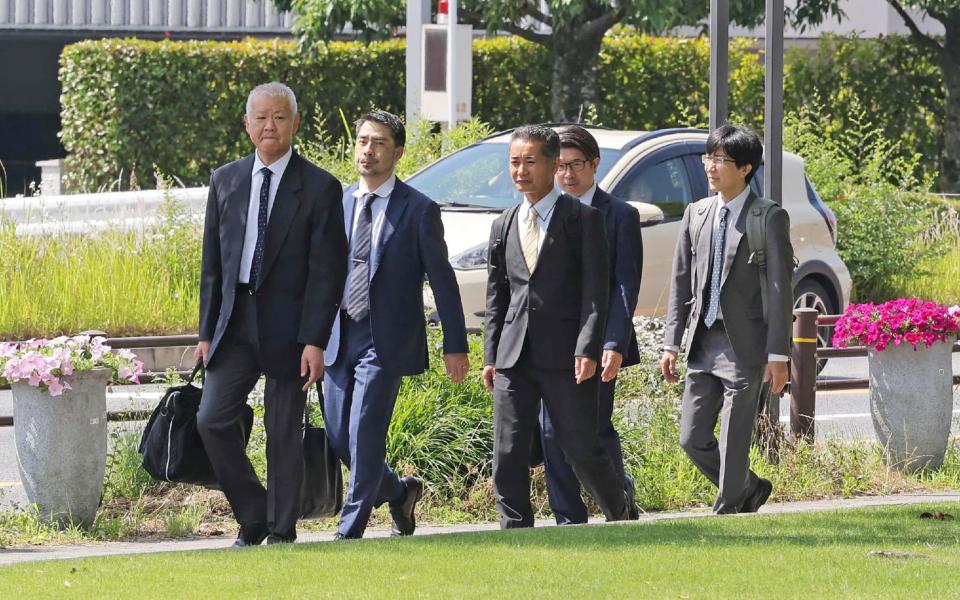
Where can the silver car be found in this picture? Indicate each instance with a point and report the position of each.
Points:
(658, 172)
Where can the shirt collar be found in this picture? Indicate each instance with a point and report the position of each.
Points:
(277, 168)
(587, 197)
(544, 206)
(735, 205)
(384, 191)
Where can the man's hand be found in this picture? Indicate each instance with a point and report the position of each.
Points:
(311, 363)
(457, 366)
(202, 352)
(610, 362)
(488, 373)
(668, 366)
(584, 368)
(777, 374)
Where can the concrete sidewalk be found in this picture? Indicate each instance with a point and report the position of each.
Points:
(9, 556)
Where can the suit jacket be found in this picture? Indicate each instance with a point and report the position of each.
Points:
(410, 247)
(304, 261)
(562, 306)
(741, 303)
(622, 225)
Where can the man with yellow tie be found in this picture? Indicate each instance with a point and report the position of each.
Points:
(547, 291)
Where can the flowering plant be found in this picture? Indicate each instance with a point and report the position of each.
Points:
(49, 364)
(902, 320)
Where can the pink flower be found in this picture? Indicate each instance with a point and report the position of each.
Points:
(908, 320)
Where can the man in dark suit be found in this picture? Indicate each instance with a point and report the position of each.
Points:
(579, 159)
(717, 298)
(396, 239)
(274, 262)
(547, 297)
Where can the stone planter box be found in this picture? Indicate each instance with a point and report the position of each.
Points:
(62, 446)
(911, 403)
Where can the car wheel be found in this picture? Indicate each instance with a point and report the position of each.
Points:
(811, 294)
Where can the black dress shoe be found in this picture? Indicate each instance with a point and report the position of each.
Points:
(633, 511)
(251, 535)
(404, 519)
(279, 539)
(759, 496)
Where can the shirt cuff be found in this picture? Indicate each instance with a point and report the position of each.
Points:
(777, 358)
(675, 349)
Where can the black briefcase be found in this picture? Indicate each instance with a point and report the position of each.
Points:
(322, 493)
(171, 446)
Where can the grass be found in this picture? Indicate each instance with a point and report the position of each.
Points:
(885, 552)
(939, 279)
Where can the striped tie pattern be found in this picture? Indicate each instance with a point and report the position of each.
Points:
(717, 269)
(531, 240)
(261, 227)
(358, 289)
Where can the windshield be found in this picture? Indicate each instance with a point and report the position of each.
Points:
(478, 176)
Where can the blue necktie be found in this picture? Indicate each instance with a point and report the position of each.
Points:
(261, 227)
(717, 269)
(358, 289)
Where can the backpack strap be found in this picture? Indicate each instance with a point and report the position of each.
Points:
(499, 250)
(757, 242)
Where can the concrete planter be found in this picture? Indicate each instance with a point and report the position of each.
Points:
(911, 402)
(62, 446)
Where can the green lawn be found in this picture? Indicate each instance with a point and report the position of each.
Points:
(813, 555)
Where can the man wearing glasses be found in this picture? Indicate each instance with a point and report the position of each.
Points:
(733, 348)
(579, 159)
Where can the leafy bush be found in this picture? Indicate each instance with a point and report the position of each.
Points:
(884, 210)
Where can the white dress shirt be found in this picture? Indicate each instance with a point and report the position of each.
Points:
(253, 210)
(378, 212)
(587, 197)
(544, 208)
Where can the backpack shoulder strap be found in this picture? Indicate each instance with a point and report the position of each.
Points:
(757, 242)
(500, 243)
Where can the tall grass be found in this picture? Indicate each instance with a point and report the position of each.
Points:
(120, 282)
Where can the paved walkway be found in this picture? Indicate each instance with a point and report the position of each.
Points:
(10, 556)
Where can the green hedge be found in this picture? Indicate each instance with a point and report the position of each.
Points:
(129, 104)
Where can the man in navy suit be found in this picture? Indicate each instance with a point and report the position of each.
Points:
(396, 238)
(274, 261)
(579, 159)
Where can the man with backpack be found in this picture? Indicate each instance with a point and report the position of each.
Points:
(547, 296)
(732, 293)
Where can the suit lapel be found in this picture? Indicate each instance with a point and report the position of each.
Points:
(395, 207)
(561, 211)
(515, 256)
(734, 238)
(704, 237)
(285, 208)
(237, 200)
(601, 202)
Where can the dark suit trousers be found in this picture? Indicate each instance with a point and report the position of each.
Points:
(359, 396)
(718, 387)
(230, 378)
(517, 393)
(563, 487)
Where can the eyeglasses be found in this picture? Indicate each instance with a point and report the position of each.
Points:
(717, 161)
(575, 166)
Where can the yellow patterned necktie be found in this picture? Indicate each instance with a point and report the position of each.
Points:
(531, 239)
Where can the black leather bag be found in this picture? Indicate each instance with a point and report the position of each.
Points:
(171, 446)
(322, 493)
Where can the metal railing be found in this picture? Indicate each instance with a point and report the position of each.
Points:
(804, 382)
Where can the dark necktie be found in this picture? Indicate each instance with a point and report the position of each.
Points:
(261, 227)
(717, 270)
(358, 289)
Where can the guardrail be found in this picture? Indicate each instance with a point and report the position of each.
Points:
(804, 382)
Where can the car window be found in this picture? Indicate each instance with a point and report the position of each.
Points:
(665, 184)
(478, 176)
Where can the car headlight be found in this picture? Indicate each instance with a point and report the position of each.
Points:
(471, 258)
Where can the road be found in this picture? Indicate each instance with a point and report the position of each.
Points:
(841, 415)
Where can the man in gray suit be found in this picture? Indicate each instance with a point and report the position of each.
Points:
(716, 296)
(547, 292)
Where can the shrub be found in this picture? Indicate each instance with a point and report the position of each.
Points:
(884, 210)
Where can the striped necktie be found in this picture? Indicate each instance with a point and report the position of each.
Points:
(358, 290)
(531, 240)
